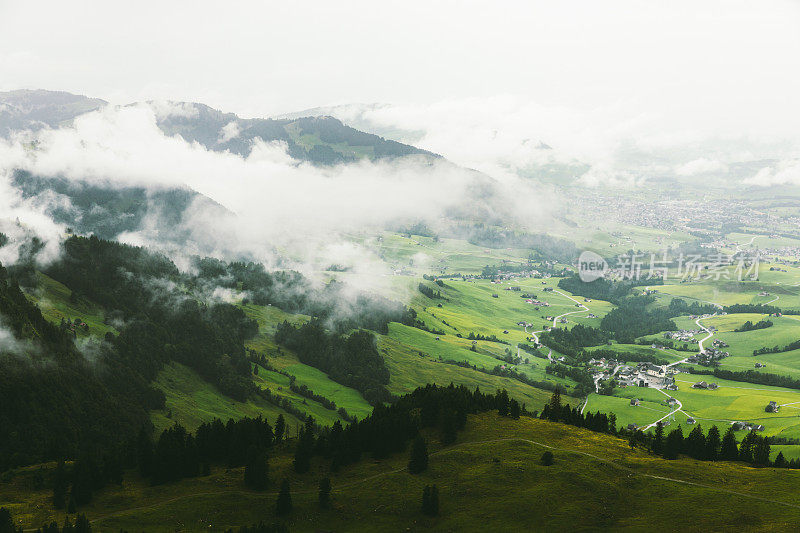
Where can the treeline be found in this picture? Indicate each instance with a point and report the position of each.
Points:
(389, 428)
(629, 357)
(604, 289)
(751, 308)
(634, 318)
(80, 525)
(750, 326)
(352, 360)
(490, 338)
(429, 292)
(52, 398)
(547, 246)
(570, 341)
(754, 448)
(599, 422)
(794, 345)
(751, 376)
(294, 293)
(163, 323)
(578, 374)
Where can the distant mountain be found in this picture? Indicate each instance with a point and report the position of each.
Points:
(322, 140)
(36, 109)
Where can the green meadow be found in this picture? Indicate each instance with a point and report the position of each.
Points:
(54, 299)
(191, 401)
(610, 487)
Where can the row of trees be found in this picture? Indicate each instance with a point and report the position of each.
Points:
(352, 360)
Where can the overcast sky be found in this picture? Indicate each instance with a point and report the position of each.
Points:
(268, 57)
(620, 85)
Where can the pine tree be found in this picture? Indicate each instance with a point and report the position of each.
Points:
(325, 492)
(6, 521)
(60, 486)
(674, 444)
(729, 451)
(430, 500)
(761, 452)
(713, 444)
(82, 524)
(514, 410)
(280, 428)
(695, 443)
(547, 458)
(780, 461)
(256, 471)
(283, 506)
(418, 462)
(658, 439)
(554, 406)
(502, 402)
(747, 447)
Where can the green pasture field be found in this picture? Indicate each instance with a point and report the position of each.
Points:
(268, 317)
(732, 401)
(53, 298)
(191, 401)
(786, 329)
(411, 367)
(469, 307)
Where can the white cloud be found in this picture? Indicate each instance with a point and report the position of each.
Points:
(229, 131)
(785, 173)
(701, 166)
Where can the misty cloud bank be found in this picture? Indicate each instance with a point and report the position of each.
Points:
(277, 210)
(624, 144)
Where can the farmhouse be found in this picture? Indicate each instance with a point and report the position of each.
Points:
(690, 420)
(737, 425)
(635, 402)
(772, 407)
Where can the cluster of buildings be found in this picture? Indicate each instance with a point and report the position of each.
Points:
(646, 375)
(684, 335)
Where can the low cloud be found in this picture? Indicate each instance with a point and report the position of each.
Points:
(278, 210)
(785, 173)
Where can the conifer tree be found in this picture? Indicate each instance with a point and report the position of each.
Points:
(325, 492)
(514, 410)
(256, 471)
(713, 444)
(60, 485)
(280, 428)
(747, 447)
(502, 402)
(430, 500)
(780, 461)
(418, 462)
(674, 444)
(729, 451)
(761, 452)
(658, 439)
(6, 521)
(283, 506)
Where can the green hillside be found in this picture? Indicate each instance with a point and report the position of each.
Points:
(491, 476)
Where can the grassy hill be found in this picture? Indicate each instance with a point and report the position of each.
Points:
(490, 479)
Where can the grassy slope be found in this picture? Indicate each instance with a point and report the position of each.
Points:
(53, 298)
(191, 401)
(490, 479)
(409, 370)
(313, 378)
